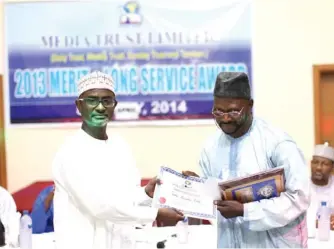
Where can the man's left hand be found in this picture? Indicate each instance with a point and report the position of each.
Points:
(169, 216)
(150, 187)
(332, 222)
(230, 209)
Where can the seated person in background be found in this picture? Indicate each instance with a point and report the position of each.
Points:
(7, 206)
(322, 185)
(42, 212)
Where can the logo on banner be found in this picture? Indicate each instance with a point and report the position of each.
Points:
(127, 111)
(131, 13)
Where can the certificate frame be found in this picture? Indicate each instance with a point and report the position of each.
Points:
(156, 202)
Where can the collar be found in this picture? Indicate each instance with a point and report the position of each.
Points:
(91, 139)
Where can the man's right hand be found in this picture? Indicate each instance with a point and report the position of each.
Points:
(169, 217)
(189, 173)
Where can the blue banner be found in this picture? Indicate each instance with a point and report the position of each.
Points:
(164, 58)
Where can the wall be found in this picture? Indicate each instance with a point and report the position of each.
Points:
(289, 37)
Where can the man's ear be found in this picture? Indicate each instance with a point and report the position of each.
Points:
(78, 112)
(78, 107)
(251, 103)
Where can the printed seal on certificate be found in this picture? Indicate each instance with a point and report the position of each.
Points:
(193, 196)
(263, 185)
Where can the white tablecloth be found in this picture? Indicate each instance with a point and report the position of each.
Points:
(314, 243)
(202, 236)
(149, 237)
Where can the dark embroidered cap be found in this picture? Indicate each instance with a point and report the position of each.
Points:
(232, 85)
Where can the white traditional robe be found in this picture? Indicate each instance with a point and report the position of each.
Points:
(274, 223)
(319, 194)
(97, 186)
(323, 193)
(7, 206)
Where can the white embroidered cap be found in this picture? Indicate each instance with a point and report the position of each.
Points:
(324, 150)
(95, 80)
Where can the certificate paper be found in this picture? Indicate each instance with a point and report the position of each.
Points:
(193, 196)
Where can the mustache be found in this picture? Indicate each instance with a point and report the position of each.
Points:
(227, 123)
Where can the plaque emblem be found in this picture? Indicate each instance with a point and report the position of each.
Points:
(266, 191)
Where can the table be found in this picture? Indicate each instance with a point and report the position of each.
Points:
(147, 239)
(314, 243)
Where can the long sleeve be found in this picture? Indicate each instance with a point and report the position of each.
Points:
(7, 206)
(111, 196)
(280, 211)
(142, 199)
(39, 215)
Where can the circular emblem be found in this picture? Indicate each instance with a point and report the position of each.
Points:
(187, 184)
(162, 200)
(266, 191)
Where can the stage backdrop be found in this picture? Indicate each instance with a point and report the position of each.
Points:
(163, 57)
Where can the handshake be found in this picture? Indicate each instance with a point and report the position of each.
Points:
(169, 216)
(166, 216)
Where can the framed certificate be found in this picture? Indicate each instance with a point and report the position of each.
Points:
(193, 196)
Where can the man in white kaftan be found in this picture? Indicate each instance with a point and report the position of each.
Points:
(322, 183)
(97, 185)
(245, 145)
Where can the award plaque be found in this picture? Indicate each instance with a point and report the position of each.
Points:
(263, 185)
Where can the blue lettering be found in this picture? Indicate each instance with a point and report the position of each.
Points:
(152, 80)
(62, 81)
(202, 80)
(27, 83)
(39, 83)
(133, 81)
(71, 86)
(123, 82)
(230, 67)
(64, 77)
(19, 87)
(54, 83)
(170, 77)
(144, 81)
(242, 68)
(191, 75)
(114, 75)
(125, 79)
(30, 83)
(182, 82)
(167, 79)
(160, 79)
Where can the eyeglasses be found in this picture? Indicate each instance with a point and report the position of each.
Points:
(232, 114)
(106, 102)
